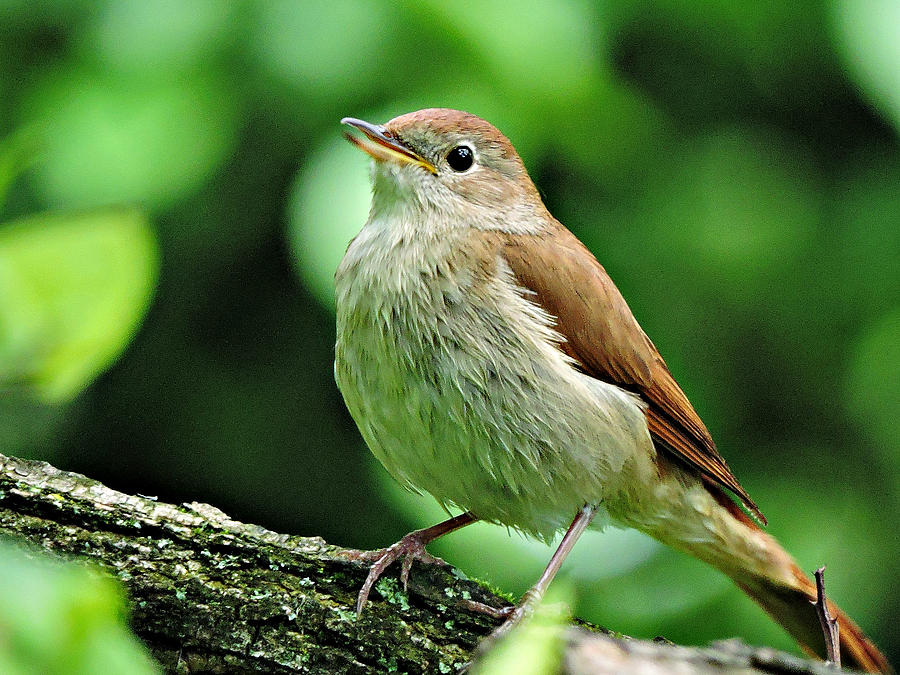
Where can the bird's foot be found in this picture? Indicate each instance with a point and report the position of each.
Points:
(410, 549)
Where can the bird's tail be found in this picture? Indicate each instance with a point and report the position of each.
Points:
(788, 595)
(793, 607)
(704, 522)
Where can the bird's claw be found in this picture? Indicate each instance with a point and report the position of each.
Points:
(410, 549)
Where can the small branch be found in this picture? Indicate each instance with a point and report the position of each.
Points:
(830, 627)
(212, 595)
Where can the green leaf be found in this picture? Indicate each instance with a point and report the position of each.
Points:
(63, 618)
(536, 645)
(868, 39)
(73, 288)
(117, 139)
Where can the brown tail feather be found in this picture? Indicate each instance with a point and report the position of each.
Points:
(792, 605)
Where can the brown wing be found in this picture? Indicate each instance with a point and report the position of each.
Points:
(603, 336)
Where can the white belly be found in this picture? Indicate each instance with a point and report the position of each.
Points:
(457, 385)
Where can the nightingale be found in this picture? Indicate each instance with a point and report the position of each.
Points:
(489, 360)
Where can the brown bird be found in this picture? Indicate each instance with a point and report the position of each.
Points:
(489, 360)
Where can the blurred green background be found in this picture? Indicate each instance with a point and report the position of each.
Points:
(176, 195)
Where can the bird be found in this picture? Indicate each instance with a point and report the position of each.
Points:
(489, 360)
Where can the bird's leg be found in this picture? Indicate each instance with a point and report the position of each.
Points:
(533, 595)
(410, 548)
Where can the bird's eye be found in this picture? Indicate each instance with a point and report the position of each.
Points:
(461, 158)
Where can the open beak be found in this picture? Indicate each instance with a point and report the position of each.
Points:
(381, 146)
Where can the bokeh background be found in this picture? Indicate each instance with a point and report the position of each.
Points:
(176, 195)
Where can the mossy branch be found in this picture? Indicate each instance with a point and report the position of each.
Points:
(209, 594)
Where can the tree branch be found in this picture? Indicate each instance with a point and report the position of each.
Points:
(209, 594)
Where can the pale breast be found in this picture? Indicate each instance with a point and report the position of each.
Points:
(458, 386)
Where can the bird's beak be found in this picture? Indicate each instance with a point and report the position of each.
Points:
(381, 146)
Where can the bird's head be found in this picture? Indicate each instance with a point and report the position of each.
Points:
(450, 165)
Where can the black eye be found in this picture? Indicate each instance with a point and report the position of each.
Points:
(461, 158)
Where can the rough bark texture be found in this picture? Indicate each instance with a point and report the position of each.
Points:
(211, 595)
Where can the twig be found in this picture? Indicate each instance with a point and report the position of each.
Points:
(830, 627)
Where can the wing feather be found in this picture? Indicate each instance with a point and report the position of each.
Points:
(605, 339)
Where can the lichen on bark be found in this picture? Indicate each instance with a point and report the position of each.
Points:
(209, 594)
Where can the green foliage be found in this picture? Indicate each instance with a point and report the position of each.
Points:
(73, 287)
(17, 152)
(319, 230)
(63, 619)
(867, 38)
(735, 167)
(873, 380)
(534, 647)
(150, 144)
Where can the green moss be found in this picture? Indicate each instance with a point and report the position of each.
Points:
(389, 665)
(390, 590)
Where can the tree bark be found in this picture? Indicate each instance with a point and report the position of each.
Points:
(212, 595)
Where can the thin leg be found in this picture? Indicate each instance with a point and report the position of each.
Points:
(578, 526)
(410, 548)
(534, 595)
